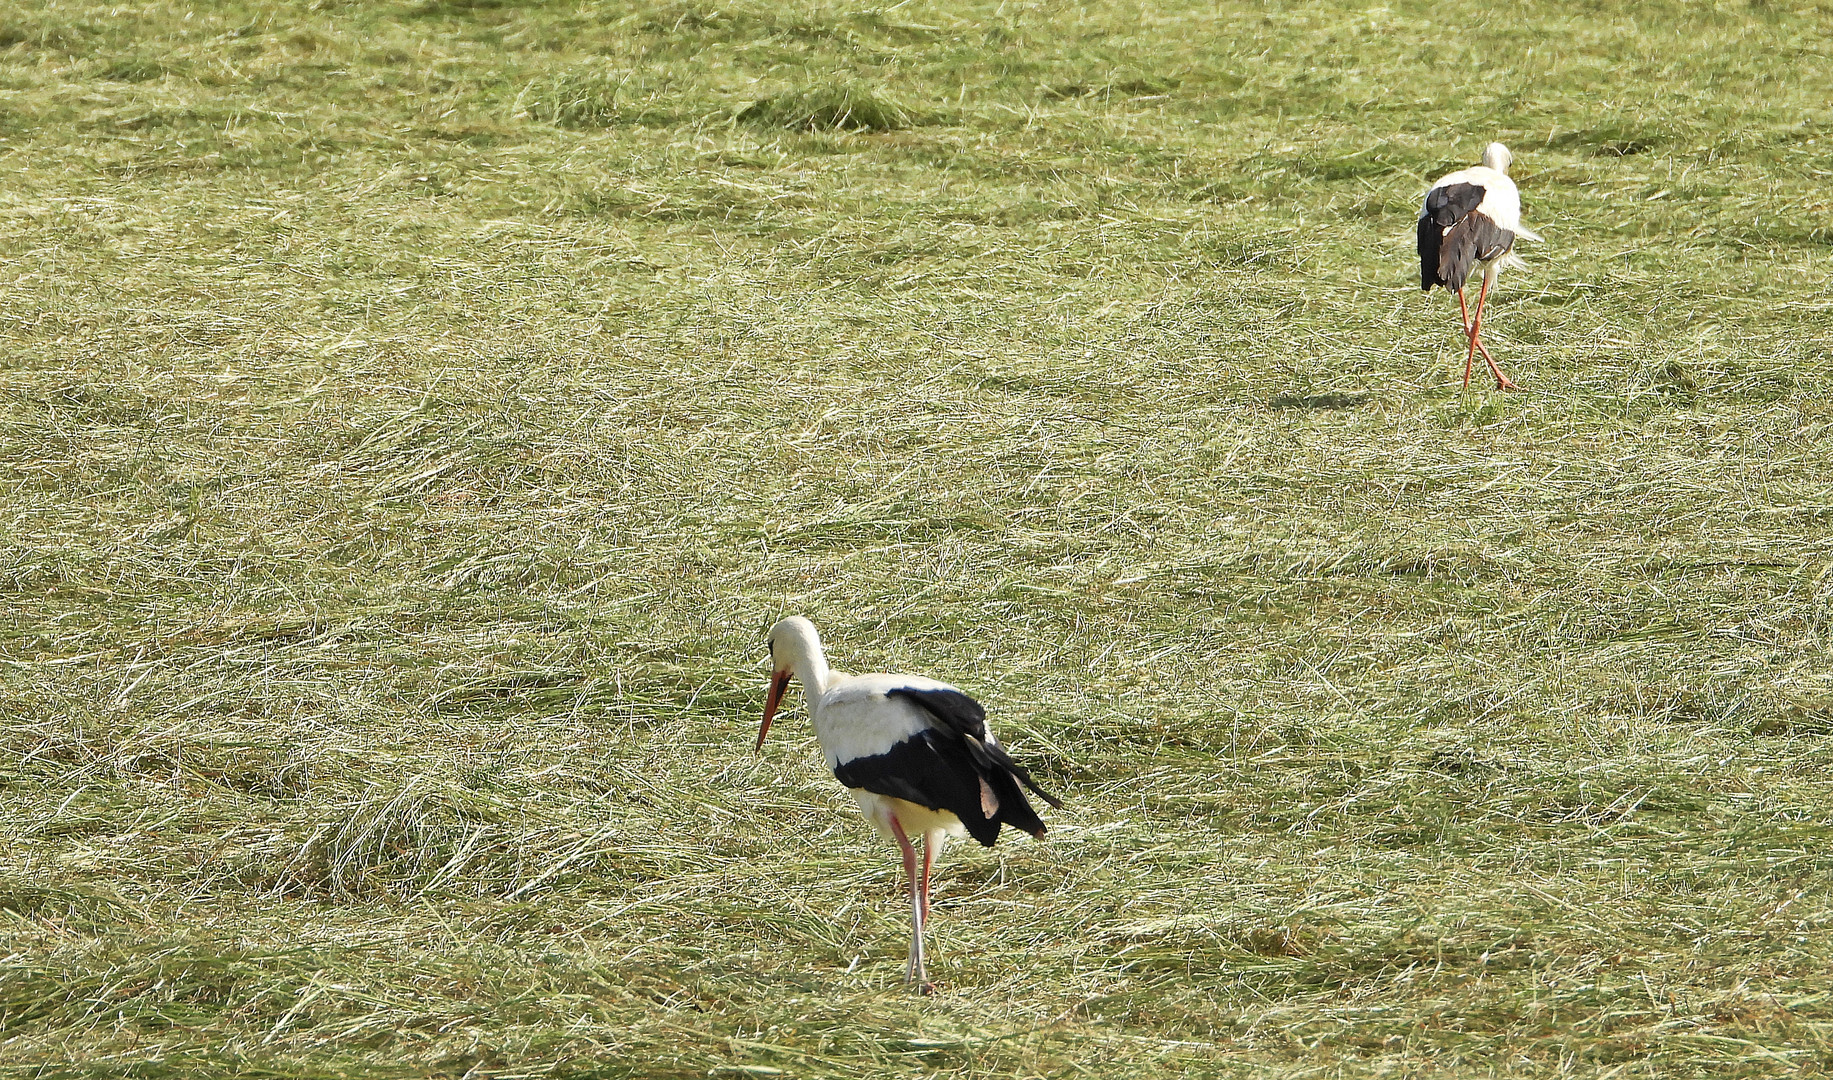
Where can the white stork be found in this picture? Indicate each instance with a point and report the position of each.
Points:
(916, 754)
(1472, 218)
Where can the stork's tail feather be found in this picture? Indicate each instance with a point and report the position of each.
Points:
(1014, 809)
(1024, 777)
(994, 756)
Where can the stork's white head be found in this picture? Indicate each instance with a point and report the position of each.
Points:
(794, 645)
(1497, 157)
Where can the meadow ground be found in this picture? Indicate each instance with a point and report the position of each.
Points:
(413, 414)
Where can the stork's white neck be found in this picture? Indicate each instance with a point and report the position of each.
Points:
(795, 645)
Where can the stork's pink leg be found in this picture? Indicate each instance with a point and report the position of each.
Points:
(918, 903)
(1464, 315)
(1476, 328)
(929, 862)
(1463, 311)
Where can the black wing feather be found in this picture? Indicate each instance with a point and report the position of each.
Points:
(1453, 237)
(929, 769)
(951, 708)
(1431, 236)
(952, 766)
(966, 716)
(1446, 206)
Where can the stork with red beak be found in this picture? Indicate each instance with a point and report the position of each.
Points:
(916, 754)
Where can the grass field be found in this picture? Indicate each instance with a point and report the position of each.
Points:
(413, 414)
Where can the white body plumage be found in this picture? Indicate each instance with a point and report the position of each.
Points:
(854, 718)
(916, 755)
(1501, 202)
(1468, 225)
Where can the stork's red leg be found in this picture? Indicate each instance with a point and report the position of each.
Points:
(929, 862)
(1463, 311)
(914, 973)
(1476, 328)
(1464, 314)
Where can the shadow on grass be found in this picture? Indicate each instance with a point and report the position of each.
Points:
(1332, 400)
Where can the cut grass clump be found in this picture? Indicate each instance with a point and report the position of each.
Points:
(1609, 140)
(1115, 87)
(139, 69)
(62, 906)
(841, 107)
(599, 99)
(403, 842)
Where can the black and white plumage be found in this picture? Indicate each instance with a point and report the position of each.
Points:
(916, 753)
(1470, 221)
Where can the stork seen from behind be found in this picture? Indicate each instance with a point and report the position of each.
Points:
(1471, 220)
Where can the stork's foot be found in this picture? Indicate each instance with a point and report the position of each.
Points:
(1503, 383)
(925, 988)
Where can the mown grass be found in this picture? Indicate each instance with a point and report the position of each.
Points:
(414, 413)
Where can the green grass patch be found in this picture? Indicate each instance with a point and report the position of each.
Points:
(413, 414)
(830, 108)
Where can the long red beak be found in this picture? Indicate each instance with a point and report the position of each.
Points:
(779, 682)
